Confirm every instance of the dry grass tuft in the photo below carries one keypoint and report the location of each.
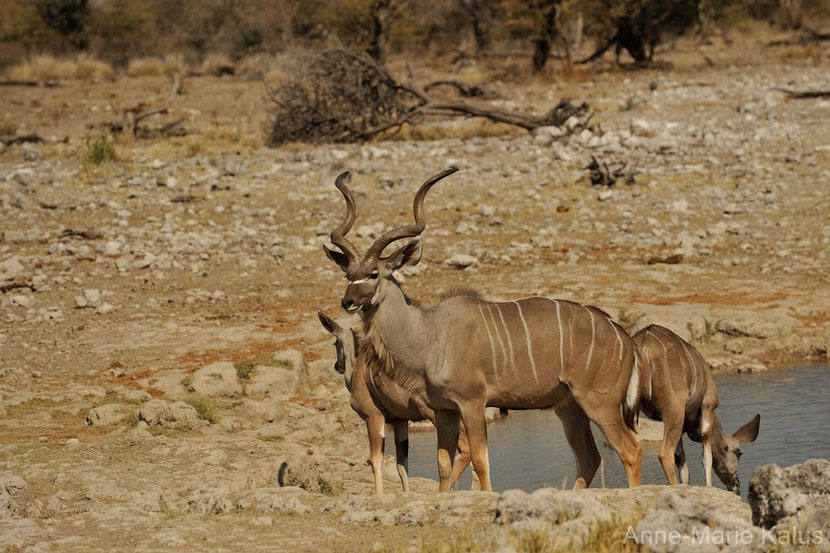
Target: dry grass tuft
(145, 67)
(41, 68)
(156, 67)
(175, 62)
(88, 68)
(82, 67)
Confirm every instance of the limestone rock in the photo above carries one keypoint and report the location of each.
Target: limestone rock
(461, 261)
(110, 413)
(679, 523)
(776, 493)
(158, 412)
(275, 382)
(275, 499)
(216, 379)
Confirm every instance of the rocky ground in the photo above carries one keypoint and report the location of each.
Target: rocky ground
(165, 382)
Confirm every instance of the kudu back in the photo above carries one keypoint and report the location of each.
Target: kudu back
(378, 400)
(467, 353)
(684, 396)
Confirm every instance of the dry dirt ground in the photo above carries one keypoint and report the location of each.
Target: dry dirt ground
(150, 276)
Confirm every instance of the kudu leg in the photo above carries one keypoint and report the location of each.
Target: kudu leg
(577, 428)
(446, 423)
(627, 447)
(707, 459)
(401, 429)
(462, 460)
(376, 429)
(672, 436)
(680, 462)
(476, 426)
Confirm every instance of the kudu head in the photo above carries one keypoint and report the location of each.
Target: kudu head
(726, 452)
(345, 344)
(368, 275)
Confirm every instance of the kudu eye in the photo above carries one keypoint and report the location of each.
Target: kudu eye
(374, 275)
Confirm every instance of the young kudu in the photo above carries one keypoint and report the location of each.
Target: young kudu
(532, 353)
(378, 400)
(684, 397)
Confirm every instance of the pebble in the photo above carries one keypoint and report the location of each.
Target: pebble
(21, 300)
(461, 261)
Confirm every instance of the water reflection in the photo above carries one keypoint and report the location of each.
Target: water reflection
(529, 450)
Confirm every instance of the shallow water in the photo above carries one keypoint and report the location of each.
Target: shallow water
(529, 451)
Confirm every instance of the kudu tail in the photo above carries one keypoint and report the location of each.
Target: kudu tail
(639, 389)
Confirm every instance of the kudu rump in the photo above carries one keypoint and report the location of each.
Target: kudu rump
(684, 397)
(466, 353)
(379, 400)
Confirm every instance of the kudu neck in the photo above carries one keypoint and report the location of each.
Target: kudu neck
(398, 324)
(716, 432)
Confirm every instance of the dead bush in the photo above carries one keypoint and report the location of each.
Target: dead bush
(340, 97)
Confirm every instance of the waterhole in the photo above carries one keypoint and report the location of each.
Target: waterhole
(528, 450)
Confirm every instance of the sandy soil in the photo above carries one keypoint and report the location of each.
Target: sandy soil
(204, 249)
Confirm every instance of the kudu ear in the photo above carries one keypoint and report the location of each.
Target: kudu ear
(338, 257)
(407, 255)
(329, 324)
(748, 432)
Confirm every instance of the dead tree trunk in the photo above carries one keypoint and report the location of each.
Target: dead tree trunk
(479, 15)
(379, 14)
(547, 34)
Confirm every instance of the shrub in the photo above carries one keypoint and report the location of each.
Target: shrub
(101, 150)
(204, 408)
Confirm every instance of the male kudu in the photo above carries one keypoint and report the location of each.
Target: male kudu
(378, 400)
(532, 353)
(684, 397)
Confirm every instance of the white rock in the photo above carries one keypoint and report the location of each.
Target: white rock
(21, 300)
(641, 127)
(679, 206)
(112, 248)
(605, 195)
(105, 414)
(542, 139)
(461, 261)
(216, 379)
(11, 268)
(92, 297)
(552, 131)
(158, 412)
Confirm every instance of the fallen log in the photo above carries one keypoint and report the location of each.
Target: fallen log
(804, 94)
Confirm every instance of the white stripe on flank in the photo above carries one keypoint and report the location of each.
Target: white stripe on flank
(593, 338)
(507, 335)
(691, 366)
(490, 336)
(619, 339)
(665, 351)
(633, 385)
(561, 341)
(527, 339)
(498, 334)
